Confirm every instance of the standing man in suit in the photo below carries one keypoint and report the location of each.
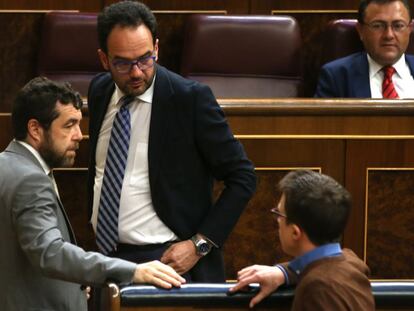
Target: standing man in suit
(179, 143)
(383, 70)
(312, 213)
(41, 267)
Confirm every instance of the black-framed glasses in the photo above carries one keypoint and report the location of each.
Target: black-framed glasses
(278, 213)
(381, 26)
(125, 66)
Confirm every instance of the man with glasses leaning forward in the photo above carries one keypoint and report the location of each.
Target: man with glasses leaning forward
(312, 213)
(158, 141)
(383, 71)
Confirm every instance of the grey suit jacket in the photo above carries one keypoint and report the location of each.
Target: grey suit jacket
(40, 269)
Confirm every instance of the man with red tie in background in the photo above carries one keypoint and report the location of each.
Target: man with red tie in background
(383, 70)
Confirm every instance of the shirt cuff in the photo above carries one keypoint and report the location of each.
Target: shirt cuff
(284, 273)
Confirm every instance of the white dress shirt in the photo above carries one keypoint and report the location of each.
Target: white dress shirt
(138, 223)
(402, 78)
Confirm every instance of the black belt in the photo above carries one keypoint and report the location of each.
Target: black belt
(123, 247)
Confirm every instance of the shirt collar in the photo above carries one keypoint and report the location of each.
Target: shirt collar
(146, 97)
(36, 154)
(328, 250)
(400, 66)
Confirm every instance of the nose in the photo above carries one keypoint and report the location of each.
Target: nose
(77, 136)
(389, 32)
(135, 71)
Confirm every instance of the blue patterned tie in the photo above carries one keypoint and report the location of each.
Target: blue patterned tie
(116, 159)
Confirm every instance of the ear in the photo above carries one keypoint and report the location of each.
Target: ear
(358, 27)
(297, 232)
(34, 131)
(104, 59)
(156, 49)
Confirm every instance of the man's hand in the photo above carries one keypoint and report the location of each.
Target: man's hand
(155, 272)
(269, 278)
(181, 256)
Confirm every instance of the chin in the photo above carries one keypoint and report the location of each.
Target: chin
(390, 58)
(67, 162)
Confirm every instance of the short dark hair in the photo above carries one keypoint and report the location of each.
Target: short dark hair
(364, 3)
(317, 204)
(124, 14)
(37, 100)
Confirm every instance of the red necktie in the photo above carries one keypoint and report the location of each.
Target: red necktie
(388, 88)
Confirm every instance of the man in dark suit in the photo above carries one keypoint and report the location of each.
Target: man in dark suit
(41, 267)
(383, 71)
(179, 143)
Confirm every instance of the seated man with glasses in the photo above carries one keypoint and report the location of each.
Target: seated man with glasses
(312, 213)
(384, 70)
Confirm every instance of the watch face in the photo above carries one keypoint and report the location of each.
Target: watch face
(204, 248)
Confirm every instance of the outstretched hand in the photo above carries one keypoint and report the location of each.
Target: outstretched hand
(269, 278)
(157, 273)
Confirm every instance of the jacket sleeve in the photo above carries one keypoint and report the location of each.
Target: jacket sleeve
(227, 160)
(35, 218)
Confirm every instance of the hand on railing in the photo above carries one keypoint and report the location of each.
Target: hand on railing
(157, 273)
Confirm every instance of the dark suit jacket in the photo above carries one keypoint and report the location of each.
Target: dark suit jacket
(348, 77)
(190, 145)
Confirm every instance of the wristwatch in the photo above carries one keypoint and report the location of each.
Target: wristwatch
(203, 247)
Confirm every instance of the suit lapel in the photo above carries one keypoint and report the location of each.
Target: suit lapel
(102, 101)
(65, 216)
(159, 120)
(360, 76)
(68, 225)
(409, 59)
(19, 149)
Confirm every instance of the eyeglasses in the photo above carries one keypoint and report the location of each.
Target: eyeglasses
(125, 66)
(276, 211)
(381, 26)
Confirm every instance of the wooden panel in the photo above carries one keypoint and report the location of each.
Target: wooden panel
(19, 42)
(309, 117)
(6, 131)
(81, 5)
(265, 6)
(390, 219)
(231, 6)
(360, 156)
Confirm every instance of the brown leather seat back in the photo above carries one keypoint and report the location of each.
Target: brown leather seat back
(244, 56)
(68, 49)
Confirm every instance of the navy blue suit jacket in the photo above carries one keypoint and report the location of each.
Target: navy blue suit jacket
(190, 146)
(348, 77)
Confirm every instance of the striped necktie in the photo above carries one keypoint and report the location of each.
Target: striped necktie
(116, 159)
(388, 88)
